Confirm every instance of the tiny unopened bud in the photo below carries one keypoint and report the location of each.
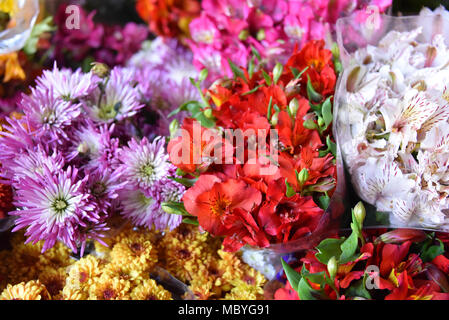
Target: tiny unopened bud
(208, 113)
(320, 122)
(293, 107)
(174, 127)
(261, 35)
(332, 267)
(83, 148)
(402, 235)
(303, 176)
(100, 69)
(360, 213)
(244, 34)
(310, 124)
(275, 119)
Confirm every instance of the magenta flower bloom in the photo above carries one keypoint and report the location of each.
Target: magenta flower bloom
(54, 208)
(228, 29)
(119, 99)
(48, 115)
(145, 164)
(67, 84)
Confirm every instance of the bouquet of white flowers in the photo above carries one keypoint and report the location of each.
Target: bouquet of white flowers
(392, 116)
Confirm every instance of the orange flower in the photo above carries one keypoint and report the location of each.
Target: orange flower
(168, 18)
(10, 67)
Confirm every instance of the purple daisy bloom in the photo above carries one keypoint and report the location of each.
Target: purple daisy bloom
(136, 206)
(67, 84)
(118, 100)
(32, 163)
(145, 164)
(50, 116)
(55, 207)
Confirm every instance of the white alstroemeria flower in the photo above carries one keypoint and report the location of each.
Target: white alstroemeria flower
(394, 120)
(380, 181)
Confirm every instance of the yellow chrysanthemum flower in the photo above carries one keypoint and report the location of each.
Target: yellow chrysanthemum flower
(54, 280)
(123, 272)
(70, 293)
(150, 290)
(32, 290)
(135, 253)
(83, 273)
(106, 288)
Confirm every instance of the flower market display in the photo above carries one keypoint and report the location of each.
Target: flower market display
(223, 150)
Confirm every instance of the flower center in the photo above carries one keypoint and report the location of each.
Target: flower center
(60, 205)
(147, 170)
(220, 205)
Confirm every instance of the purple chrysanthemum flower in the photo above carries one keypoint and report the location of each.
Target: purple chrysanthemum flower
(33, 162)
(136, 206)
(104, 187)
(118, 100)
(17, 138)
(67, 84)
(49, 115)
(85, 142)
(145, 164)
(55, 207)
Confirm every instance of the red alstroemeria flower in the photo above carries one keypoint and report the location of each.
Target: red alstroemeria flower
(294, 134)
(195, 148)
(214, 201)
(288, 218)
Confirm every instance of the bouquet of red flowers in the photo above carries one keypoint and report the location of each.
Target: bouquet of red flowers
(402, 264)
(258, 152)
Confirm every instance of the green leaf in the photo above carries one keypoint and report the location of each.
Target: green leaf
(305, 291)
(45, 25)
(290, 191)
(252, 91)
(299, 75)
(349, 248)
(236, 70)
(358, 290)
(267, 78)
(191, 221)
(332, 146)
(269, 110)
(175, 208)
(256, 53)
(180, 173)
(294, 71)
(327, 113)
(313, 95)
(324, 202)
(251, 67)
(317, 278)
(431, 252)
(292, 276)
(327, 249)
(185, 182)
(277, 72)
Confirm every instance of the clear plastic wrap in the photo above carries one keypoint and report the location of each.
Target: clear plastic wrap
(23, 19)
(390, 181)
(268, 260)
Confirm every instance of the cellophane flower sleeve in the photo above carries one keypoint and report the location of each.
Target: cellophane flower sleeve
(391, 116)
(23, 15)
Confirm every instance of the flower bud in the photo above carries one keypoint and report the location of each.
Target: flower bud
(261, 35)
(275, 119)
(174, 127)
(401, 236)
(293, 107)
(100, 69)
(244, 34)
(83, 148)
(208, 113)
(360, 213)
(303, 176)
(436, 275)
(320, 122)
(310, 124)
(332, 267)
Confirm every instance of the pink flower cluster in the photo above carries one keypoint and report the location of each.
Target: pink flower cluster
(228, 29)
